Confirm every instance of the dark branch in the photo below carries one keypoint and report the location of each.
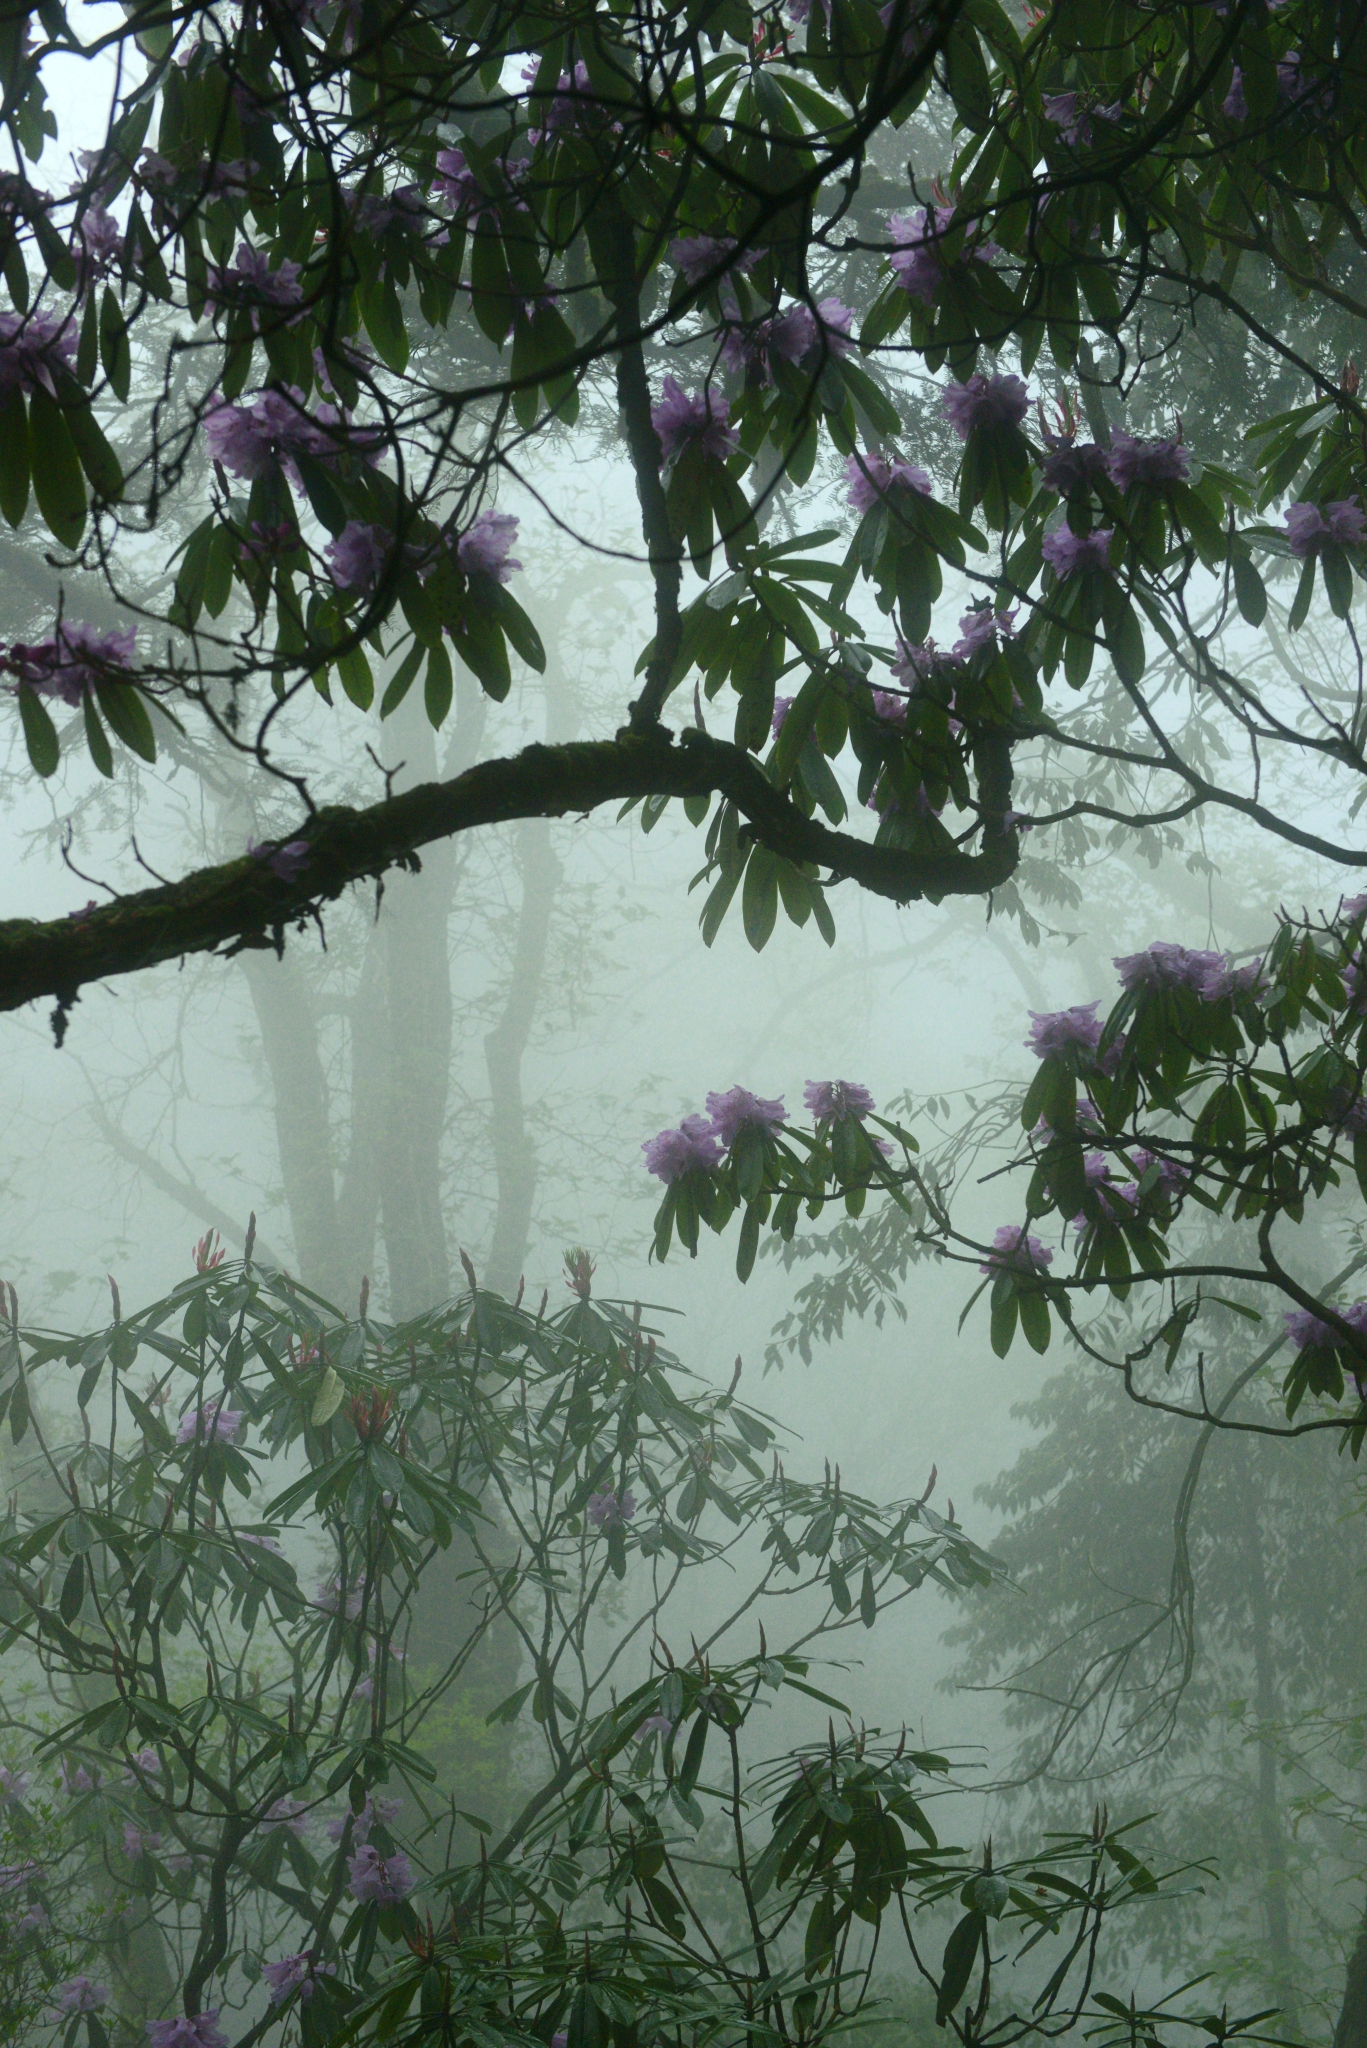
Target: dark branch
(245, 903)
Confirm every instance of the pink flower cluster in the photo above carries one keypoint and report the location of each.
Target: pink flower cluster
(873, 479)
(609, 1510)
(1309, 527)
(72, 660)
(702, 419)
(917, 260)
(1167, 966)
(1014, 1250)
(695, 1145)
(32, 347)
(985, 403)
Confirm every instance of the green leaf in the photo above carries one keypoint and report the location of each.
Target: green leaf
(868, 1600)
(58, 484)
(759, 902)
(114, 350)
(438, 685)
(96, 738)
(97, 458)
(329, 1398)
(73, 1589)
(1338, 579)
(13, 456)
(122, 705)
(692, 1763)
(357, 681)
(1124, 637)
(40, 734)
(401, 682)
(1249, 591)
(961, 1952)
(520, 630)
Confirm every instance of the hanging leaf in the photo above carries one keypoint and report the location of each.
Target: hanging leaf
(56, 470)
(13, 456)
(40, 734)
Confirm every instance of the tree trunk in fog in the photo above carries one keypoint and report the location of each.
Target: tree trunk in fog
(1351, 2031)
(504, 1047)
(1281, 1958)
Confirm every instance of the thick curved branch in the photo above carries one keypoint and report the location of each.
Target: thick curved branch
(246, 902)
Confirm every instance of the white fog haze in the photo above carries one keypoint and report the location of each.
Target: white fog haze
(682, 736)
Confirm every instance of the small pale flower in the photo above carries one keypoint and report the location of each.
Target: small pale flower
(80, 1994)
(379, 1880)
(828, 1100)
(609, 1510)
(738, 1110)
(1014, 1250)
(1071, 554)
(211, 1424)
(682, 419)
(985, 403)
(872, 479)
(485, 549)
(691, 1148)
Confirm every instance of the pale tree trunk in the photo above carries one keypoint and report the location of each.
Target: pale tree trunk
(1281, 1956)
(1351, 2031)
(504, 1050)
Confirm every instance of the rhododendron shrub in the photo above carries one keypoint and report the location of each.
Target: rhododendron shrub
(225, 1505)
(335, 350)
(1213, 1087)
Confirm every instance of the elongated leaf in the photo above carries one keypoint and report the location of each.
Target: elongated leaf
(40, 734)
(13, 456)
(58, 484)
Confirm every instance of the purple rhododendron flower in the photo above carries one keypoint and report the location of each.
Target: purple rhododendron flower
(484, 550)
(916, 260)
(1306, 1330)
(1133, 462)
(1234, 106)
(791, 336)
(295, 1973)
(380, 1812)
(827, 1100)
(981, 628)
(1308, 527)
(692, 1147)
(609, 1510)
(985, 402)
(782, 706)
(1071, 465)
(1171, 1176)
(101, 239)
(211, 1424)
(287, 1975)
(1164, 965)
(702, 417)
(696, 255)
(738, 1108)
(72, 660)
(186, 2031)
(77, 1781)
(374, 213)
(251, 281)
(1054, 1031)
(357, 556)
(136, 1844)
(1014, 1249)
(32, 346)
(379, 1880)
(572, 95)
(252, 440)
(888, 706)
(1073, 115)
(656, 1724)
(915, 664)
(1067, 552)
(81, 1994)
(872, 478)
(457, 184)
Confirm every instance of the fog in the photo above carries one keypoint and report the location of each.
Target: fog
(429, 1095)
